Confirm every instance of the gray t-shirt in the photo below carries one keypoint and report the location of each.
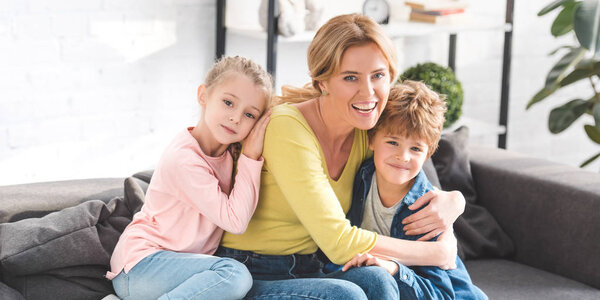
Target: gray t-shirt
(376, 217)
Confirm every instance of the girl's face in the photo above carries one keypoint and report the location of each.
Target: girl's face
(359, 92)
(231, 108)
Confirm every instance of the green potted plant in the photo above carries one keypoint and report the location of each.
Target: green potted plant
(580, 62)
(442, 80)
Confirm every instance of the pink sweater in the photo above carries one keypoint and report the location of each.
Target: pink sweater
(188, 204)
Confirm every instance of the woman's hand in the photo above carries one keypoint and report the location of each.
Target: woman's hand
(448, 250)
(443, 208)
(366, 259)
(253, 145)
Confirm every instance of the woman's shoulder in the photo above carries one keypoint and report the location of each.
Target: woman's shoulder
(287, 117)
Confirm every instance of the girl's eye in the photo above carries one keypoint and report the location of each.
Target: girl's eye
(350, 78)
(228, 103)
(251, 116)
(393, 143)
(379, 75)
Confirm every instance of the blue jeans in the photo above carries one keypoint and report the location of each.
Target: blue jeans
(173, 275)
(301, 277)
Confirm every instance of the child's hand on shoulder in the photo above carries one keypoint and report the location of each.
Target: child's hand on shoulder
(253, 144)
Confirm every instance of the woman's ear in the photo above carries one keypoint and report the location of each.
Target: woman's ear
(202, 95)
(323, 86)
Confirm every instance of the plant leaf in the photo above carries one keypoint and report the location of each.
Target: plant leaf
(596, 114)
(559, 70)
(593, 133)
(564, 20)
(563, 116)
(550, 7)
(591, 159)
(581, 73)
(587, 25)
(560, 48)
(541, 95)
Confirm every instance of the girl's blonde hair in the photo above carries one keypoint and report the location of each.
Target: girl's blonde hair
(413, 110)
(328, 46)
(229, 65)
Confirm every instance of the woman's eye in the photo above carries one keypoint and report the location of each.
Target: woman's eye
(228, 103)
(251, 116)
(350, 78)
(393, 143)
(379, 75)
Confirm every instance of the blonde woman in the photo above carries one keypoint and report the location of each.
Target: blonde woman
(314, 145)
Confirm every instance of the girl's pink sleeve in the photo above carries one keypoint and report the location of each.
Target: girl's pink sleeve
(198, 186)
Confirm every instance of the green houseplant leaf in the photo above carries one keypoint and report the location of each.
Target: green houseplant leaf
(591, 159)
(558, 72)
(581, 73)
(541, 95)
(596, 114)
(587, 25)
(564, 21)
(552, 6)
(563, 116)
(593, 133)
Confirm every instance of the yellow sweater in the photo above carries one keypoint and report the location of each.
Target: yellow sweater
(300, 208)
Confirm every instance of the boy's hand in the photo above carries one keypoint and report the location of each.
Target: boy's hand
(443, 208)
(253, 145)
(366, 259)
(449, 249)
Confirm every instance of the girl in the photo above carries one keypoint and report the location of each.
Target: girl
(166, 251)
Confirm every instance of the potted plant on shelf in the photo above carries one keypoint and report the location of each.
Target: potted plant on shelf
(581, 62)
(443, 81)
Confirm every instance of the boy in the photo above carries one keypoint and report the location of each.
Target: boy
(406, 134)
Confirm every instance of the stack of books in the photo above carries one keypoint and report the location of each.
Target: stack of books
(437, 11)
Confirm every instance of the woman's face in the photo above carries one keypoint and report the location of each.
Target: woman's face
(359, 92)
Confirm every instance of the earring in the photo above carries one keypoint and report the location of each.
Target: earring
(323, 93)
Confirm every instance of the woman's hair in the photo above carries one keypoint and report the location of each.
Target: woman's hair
(328, 46)
(413, 110)
(229, 65)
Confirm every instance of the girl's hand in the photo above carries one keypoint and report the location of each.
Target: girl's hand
(449, 248)
(253, 145)
(366, 259)
(438, 216)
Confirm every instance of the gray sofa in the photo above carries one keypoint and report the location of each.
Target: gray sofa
(551, 212)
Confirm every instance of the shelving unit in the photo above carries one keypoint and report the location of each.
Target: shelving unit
(394, 30)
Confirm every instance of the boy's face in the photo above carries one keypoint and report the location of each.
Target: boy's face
(398, 159)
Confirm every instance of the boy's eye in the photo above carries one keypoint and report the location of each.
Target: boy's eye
(350, 78)
(393, 143)
(417, 149)
(228, 103)
(251, 116)
(379, 75)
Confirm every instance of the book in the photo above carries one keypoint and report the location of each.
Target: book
(444, 20)
(440, 12)
(430, 5)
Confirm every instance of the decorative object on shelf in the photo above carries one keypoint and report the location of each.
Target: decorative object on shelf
(442, 80)
(437, 11)
(378, 10)
(581, 62)
(295, 16)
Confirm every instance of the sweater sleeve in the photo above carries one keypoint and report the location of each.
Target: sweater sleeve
(198, 186)
(293, 157)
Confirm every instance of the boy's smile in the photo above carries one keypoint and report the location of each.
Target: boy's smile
(398, 160)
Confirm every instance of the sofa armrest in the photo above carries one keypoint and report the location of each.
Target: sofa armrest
(551, 211)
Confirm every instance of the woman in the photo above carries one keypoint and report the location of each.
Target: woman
(312, 151)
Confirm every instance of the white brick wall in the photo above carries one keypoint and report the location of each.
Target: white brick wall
(98, 87)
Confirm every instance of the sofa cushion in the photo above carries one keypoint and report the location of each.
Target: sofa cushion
(36, 200)
(504, 279)
(478, 233)
(9, 293)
